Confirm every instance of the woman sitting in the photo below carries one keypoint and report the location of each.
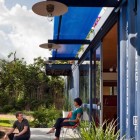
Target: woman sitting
(76, 114)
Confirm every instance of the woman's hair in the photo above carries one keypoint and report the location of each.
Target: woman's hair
(78, 101)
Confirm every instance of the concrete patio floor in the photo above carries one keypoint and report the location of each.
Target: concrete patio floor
(40, 134)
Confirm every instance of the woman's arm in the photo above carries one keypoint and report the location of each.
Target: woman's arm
(76, 120)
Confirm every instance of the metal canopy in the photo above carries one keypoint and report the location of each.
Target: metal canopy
(76, 24)
(63, 58)
(58, 69)
(90, 3)
(69, 41)
(72, 28)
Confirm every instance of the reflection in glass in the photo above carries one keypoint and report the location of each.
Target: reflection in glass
(84, 82)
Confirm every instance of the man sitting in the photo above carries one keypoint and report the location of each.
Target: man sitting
(23, 127)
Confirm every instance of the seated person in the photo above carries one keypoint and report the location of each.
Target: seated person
(22, 125)
(76, 114)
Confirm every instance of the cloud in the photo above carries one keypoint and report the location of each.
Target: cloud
(22, 31)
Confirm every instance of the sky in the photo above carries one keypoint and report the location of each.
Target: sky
(23, 31)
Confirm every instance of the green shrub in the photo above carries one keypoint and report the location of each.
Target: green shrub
(40, 118)
(7, 108)
(107, 131)
(19, 104)
(13, 111)
(28, 113)
(45, 117)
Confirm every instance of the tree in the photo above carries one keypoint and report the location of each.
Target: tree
(27, 86)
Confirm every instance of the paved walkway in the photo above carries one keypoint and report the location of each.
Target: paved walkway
(40, 134)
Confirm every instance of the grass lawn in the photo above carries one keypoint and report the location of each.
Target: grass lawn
(5, 125)
(6, 120)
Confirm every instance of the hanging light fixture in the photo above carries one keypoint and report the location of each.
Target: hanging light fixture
(49, 46)
(49, 8)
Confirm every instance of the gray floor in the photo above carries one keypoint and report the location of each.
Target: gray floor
(40, 134)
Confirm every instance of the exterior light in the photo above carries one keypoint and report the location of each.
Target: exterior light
(49, 46)
(49, 9)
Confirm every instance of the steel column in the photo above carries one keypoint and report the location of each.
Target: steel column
(127, 69)
(94, 82)
(130, 87)
(122, 68)
(138, 71)
(90, 86)
(101, 83)
(118, 77)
